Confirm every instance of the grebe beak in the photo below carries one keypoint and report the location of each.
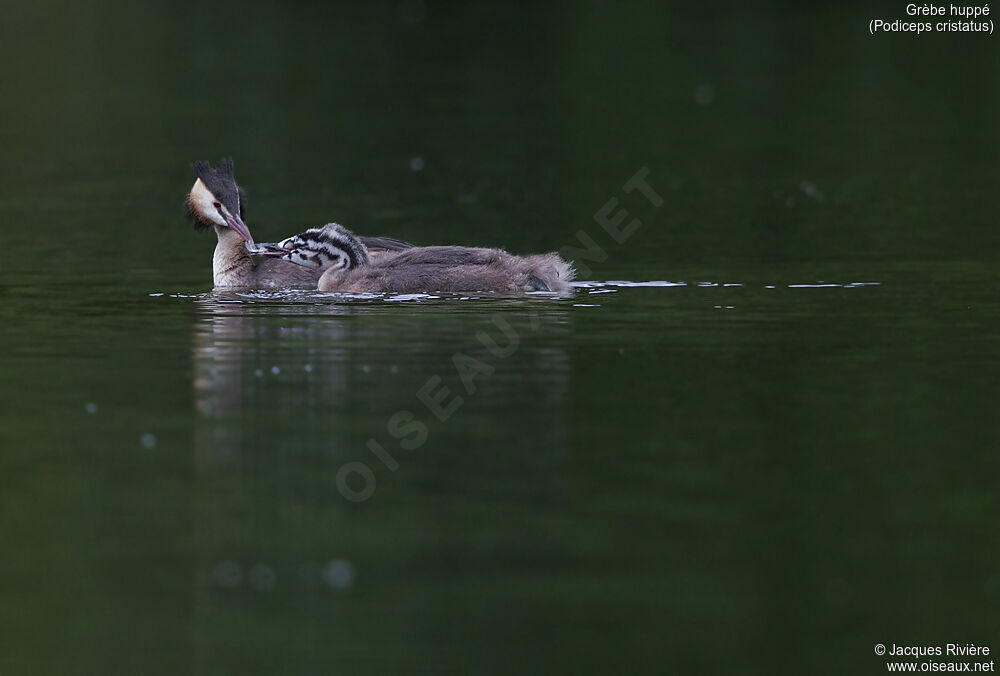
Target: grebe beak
(237, 224)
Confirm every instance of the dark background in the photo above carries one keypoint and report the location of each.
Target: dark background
(696, 479)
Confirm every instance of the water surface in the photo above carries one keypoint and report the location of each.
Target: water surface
(761, 440)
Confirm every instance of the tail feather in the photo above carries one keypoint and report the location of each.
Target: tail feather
(549, 272)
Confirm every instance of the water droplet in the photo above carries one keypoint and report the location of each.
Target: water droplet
(811, 191)
(259, 373)
(147, 440)
(275, 370)
(704, 94)
(339, 574)
(366, 368)
(90, 407)
(308, 368)
(416, 163)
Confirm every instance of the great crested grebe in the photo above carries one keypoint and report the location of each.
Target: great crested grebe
(217, 201)
(346, 266)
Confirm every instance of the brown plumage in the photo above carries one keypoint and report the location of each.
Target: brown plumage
(348, 268)
(332, 258)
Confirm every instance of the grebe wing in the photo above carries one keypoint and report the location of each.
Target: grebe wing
(380, 244)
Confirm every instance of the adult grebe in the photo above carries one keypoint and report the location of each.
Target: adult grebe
(217, 201)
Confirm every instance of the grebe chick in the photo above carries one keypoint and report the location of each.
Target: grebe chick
(217, 201)
(347, 267)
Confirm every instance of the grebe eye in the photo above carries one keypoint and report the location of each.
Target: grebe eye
(216, 205)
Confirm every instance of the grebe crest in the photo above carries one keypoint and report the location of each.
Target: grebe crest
(215, 199)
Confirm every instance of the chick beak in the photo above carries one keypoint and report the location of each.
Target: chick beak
(266, 249)
(237, 224)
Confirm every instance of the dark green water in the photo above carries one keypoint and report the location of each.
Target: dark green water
(660, 479)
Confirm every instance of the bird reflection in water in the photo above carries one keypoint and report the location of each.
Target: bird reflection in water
(289, 394)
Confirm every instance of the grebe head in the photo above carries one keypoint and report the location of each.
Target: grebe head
(216, 200)
(332, 246)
